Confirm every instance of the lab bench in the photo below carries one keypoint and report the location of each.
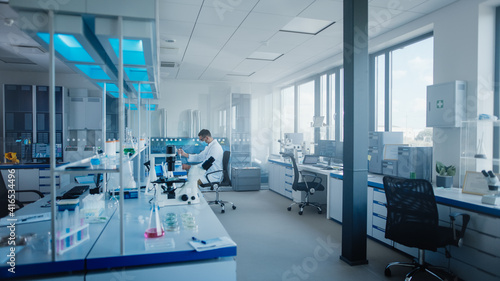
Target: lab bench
(100, 256)
(477, 259)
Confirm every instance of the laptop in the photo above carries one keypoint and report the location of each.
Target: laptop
(310, 159)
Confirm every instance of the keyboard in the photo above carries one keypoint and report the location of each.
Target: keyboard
(75, 192)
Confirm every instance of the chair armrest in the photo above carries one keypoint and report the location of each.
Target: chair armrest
(458, 235)
(32, 190)
(19, 204)
(314, 178)
(206, 175)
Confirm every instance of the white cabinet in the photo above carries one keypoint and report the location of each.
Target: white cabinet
(446, 104)
(379, 215)
(479, 256)
(281, 179)
(369, 211)
(287, 187)
(85, 113)
(335, 201)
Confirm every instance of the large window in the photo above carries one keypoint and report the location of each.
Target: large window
(380, 92)
(306, 112)
(410, 70)
(287, 110)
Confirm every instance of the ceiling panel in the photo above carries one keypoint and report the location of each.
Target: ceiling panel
(283, 42)
(324, 10)
(213, 74)
(204, 46)
(226, 61)
(211, 15)
(282, 7)
(253, 34)
(394, 6)
(241, 48)
(175, 28)
(228, 6)
(201, 61)
(190, 71)
(317, 44)
(213, 31)
(168, 72)
(336, 30)
(266, 21)
(189, 2)
(173, 51)
(401, 19)
(431, 5)
(178, 12)
(249, 66)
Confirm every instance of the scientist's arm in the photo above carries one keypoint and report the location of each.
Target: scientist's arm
(202, 156)
(181, 152)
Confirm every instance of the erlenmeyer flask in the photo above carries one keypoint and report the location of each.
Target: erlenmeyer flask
(155, 227)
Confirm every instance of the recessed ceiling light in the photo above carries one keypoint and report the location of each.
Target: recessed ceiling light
(264, 56)
(170, 40)
(306, 25)
(240, 74)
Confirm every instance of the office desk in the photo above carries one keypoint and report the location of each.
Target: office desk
(99, 257)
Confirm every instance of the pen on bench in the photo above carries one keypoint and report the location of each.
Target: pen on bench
(198, 240)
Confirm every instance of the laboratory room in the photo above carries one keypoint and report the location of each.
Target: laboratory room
(250, 140)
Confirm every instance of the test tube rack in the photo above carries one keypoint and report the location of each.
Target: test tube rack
(72, 238)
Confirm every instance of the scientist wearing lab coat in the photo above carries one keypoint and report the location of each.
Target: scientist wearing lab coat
(214, 150)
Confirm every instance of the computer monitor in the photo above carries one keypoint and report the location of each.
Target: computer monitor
(41, 152)
(326, 148)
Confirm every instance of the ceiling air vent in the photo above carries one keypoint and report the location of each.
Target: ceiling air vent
(168, 64)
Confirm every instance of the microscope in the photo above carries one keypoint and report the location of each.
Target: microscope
(171, 194)
(493, 198)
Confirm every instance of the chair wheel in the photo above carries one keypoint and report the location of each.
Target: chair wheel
(289, 208)
(222, 211)
(387, 272)
(234, 207)
(320, 212)
(300, 213)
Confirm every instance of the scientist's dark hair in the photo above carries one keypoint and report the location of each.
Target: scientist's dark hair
(204, 133)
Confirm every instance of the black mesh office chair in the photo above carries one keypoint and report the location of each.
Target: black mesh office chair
(4, 199)
(308, 186)
(225, 182)
(413, 221)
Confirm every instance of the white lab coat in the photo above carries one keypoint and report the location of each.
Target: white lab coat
(214, 150)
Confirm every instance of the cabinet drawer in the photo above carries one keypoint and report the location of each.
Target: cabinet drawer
(379, 195)
(379, 221)
(469, 272)
(379, 209)
(481, 223)
(379, 234)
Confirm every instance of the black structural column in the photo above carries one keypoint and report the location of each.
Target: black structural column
(356, 110)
